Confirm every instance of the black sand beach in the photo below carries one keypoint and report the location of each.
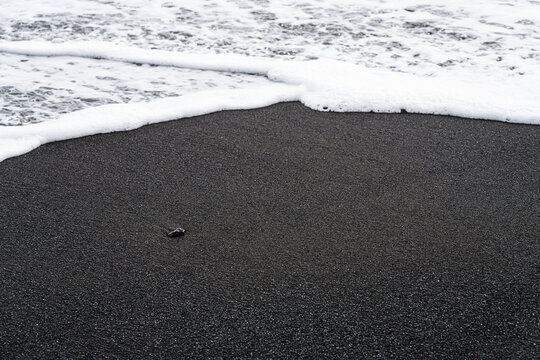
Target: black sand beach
(308, 234)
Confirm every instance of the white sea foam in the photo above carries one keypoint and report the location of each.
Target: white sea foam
(17, 140)
(477, 58)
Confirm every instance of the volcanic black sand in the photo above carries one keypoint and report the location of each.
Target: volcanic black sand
(308, 234)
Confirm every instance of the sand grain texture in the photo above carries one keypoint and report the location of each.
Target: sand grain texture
(307, 234)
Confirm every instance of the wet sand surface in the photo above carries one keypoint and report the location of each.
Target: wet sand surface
(308, 234)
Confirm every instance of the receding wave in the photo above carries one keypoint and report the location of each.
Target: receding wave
(325, 85)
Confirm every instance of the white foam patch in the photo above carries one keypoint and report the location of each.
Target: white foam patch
(103, 50)
(17, 140)
(320, 84)
(339, 86)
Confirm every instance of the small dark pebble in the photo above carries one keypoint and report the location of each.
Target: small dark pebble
(403, 111)
(177, 232)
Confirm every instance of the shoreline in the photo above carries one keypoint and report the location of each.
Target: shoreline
(307, 233)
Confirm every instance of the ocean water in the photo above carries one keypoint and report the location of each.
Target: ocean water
(72, 68)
